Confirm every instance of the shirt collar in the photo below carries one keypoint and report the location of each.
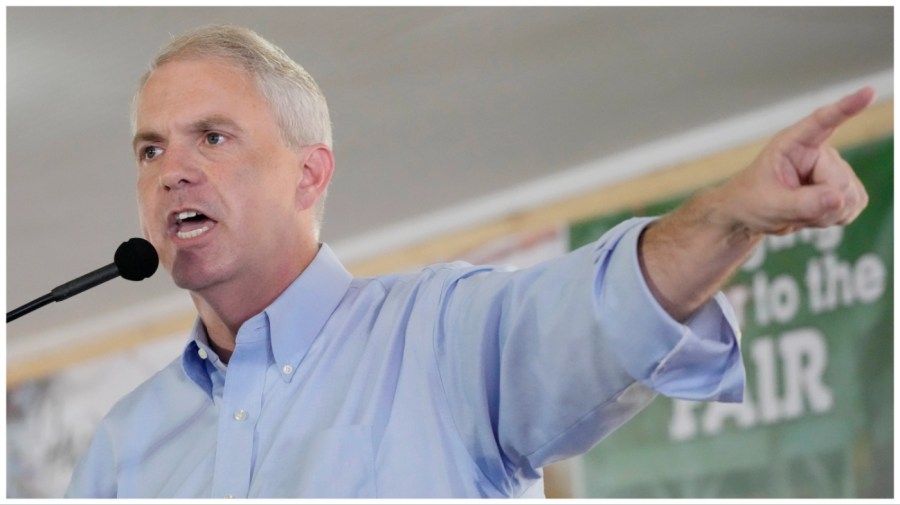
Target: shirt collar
(194, 356)
(295, 318)
(299, 314)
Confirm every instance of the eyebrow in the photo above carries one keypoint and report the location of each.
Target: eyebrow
(145, 136)
(213, 122)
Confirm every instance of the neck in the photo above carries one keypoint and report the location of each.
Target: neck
(225, 307)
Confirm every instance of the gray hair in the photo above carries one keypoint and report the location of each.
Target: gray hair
(298, 103)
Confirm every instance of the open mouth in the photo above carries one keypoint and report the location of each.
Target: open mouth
(191, 224)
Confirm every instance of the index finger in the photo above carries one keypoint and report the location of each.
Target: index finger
(814, 130)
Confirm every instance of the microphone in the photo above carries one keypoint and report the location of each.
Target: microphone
(135, 260)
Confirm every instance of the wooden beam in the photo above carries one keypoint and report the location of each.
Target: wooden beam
(874, 123)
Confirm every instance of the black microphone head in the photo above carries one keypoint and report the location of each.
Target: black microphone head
(136, 259)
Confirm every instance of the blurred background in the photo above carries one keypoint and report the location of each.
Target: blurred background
(490, 134)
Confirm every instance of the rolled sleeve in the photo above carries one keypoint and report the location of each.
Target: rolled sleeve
(697, 360)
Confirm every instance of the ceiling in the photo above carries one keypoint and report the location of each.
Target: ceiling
(432, 107)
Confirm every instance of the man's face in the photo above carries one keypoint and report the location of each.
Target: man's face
(216, 184)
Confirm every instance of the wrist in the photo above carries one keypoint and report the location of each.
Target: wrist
(722, 218)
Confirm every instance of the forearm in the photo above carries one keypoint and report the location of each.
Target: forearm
(797, 181)
(688, 255)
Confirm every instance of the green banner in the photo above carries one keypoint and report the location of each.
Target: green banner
(816, 311)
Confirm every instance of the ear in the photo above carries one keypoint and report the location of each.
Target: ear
(317, 165)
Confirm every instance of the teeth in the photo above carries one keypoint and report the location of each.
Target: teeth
(185, 215)
(192, 233)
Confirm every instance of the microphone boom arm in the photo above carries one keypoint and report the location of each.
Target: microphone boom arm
(135, 259)
(28, 307)
(63, 291)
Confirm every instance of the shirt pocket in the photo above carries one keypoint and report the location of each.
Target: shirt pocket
(336, 463)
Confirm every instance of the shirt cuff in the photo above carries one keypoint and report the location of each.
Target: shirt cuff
(697, 360)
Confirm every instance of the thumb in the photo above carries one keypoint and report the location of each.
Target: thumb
(811, 205)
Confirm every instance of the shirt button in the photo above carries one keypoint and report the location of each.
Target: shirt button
(240, 415)
(287, 369)
(202, 354)
(228, 496)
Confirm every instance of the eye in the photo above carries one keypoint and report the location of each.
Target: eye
(214, 138)
(150, 152)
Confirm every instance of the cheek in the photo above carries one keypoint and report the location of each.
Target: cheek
(143, 203)
(146, 204)
(263, 180)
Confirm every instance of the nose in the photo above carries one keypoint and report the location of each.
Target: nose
(179, 169)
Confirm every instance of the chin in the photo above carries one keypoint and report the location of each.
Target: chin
(194, 277)
(188, 282)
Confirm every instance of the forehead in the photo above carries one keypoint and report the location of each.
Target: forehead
(191, 85)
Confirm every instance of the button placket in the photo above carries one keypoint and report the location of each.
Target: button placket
(241, 404)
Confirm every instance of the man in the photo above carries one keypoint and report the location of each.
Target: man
(459, 381)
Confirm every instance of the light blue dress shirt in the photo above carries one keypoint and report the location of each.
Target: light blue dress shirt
(459, 381)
